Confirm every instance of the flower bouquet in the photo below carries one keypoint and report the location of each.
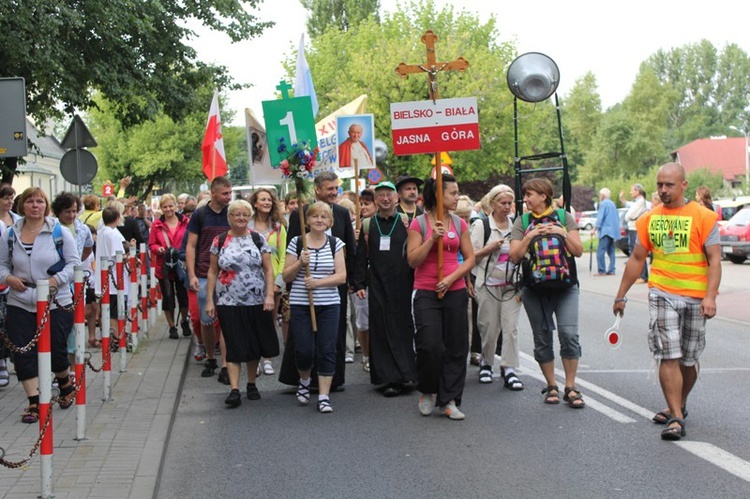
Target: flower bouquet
(299, 162)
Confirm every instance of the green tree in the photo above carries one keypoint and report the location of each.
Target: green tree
(136, 54)
(710, 89)
(159, 152)
(582, 114)
(345, 64)
(338, 14)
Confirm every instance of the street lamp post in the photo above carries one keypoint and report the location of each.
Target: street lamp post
(744, 132)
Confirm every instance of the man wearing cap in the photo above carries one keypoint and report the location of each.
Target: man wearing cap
(382, 274)
(408, 192)
(326, 190)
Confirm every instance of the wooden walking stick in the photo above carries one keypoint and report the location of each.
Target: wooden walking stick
(303, 238)
(357, 222)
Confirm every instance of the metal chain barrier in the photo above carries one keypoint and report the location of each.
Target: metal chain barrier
(76, 300)
(22, 463)
(34, 340)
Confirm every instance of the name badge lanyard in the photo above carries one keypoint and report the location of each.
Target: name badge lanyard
(385, 241)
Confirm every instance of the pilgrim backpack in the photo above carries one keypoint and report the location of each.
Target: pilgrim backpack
(57, 237)
(257, 239)
(548, 265)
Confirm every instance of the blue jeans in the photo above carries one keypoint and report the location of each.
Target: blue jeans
(632, 236)
(606, 247)
(539, 308)
(306, 342)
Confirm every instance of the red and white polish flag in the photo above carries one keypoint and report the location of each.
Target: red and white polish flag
(214, 158)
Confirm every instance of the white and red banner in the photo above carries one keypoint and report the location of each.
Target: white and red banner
(214, 158)
(424, 127)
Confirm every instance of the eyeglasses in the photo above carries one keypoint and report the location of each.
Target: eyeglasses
(240, 215)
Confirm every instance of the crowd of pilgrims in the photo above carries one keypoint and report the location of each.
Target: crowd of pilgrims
(240, 279)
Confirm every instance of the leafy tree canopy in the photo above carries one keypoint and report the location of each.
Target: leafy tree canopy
(338, 14)
(345, 64)
(135, 54)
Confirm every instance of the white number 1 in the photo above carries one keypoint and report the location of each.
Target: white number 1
(289, 122)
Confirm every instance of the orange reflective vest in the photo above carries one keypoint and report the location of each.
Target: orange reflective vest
(676, 237)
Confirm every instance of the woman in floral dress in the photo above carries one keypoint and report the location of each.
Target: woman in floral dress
(240, 280)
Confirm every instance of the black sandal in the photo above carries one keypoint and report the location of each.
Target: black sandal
(674, 432)
(30, 415)
(573, 400)
(662, 417)
(512, 382)
(67, 395)
(552, 395)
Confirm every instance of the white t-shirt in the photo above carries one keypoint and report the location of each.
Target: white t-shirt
(108, 241)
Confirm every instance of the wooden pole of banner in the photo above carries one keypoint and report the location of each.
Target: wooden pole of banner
(303, 237)
(357, 222)
(432, 68)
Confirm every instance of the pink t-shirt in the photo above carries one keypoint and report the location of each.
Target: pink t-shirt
(425, 276)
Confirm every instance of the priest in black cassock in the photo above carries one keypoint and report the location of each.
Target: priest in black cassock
(382, 273)
(326, 190)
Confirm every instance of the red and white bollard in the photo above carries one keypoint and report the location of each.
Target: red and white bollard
(120, 272)
(45, 385)
(79, 327)
(144, 292)
(152, 294)
(158, 301)
(106, 351)
(133, 298)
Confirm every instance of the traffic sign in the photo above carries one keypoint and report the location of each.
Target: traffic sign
(429, 127)
(291, 119)
(13, 118)
(443, 168)
(78, 166)
(78, 135)
(444, 159)
(374, 176)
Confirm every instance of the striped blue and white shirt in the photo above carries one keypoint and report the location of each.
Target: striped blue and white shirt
(321, 266)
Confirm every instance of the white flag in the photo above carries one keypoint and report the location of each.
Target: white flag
(303, 84)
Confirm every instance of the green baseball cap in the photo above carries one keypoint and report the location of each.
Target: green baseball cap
(385, 185)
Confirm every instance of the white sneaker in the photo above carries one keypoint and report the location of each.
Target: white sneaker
(452, 412)
(426, 403)
(349, 359)
(268, 368)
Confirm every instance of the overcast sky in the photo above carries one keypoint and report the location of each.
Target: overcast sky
(610, 39)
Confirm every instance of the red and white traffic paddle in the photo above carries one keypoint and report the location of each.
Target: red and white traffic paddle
(612, 336)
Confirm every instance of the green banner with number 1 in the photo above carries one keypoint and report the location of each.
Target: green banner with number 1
(291, 119)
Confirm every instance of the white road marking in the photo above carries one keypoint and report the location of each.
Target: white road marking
(704, 450)
(718, 457)
(533, 371)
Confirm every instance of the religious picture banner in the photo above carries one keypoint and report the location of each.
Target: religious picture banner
(261, 171)
(327, 139)
(424, 127)
(356, 141)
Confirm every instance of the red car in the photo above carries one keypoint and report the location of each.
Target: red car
(735, 237)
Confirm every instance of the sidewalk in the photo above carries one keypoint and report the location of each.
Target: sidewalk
(125, 437)
(734, 293)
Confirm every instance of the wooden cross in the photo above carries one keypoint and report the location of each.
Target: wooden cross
(432, 68)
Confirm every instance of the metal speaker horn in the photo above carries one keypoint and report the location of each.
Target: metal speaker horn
(533, 77)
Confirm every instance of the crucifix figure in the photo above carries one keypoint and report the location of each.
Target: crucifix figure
(432, 68)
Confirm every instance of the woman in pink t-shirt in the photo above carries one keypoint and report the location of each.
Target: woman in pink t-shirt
(440, 305)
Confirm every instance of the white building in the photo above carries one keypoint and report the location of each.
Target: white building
(42, 165)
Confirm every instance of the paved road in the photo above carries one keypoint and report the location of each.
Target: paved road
(510, 445)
